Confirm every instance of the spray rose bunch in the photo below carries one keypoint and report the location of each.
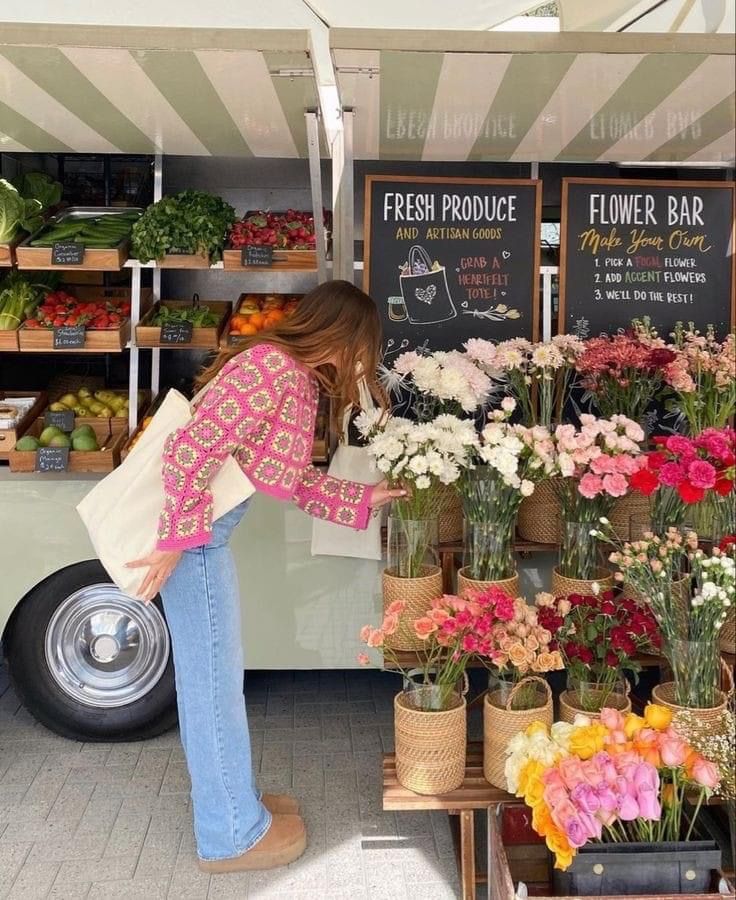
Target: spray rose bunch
(703, 377)
(538, 375)
(620, 778)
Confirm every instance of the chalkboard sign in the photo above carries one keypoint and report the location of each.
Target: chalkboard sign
(177, 332)
(662, 249)
(64, 419)
(67, 253)
(52, 459)
(448, 259)
(255, 255)
(69, 337)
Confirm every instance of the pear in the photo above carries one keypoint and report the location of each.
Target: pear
(81, 411)
(69, 400)
(105, 413)
(58, 407)
(84, 392)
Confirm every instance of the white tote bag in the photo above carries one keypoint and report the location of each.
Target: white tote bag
(121, 512)
(350, 464)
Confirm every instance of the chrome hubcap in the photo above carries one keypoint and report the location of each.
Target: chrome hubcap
(105, 649)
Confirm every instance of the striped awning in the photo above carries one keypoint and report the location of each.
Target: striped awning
(199, 92)
(538, 97)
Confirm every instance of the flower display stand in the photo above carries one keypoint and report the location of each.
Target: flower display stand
(473, 794)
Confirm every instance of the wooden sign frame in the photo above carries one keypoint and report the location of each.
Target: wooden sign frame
(438, 179)
(644, 183)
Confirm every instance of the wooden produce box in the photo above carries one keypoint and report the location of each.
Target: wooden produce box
(505, 874)
(148, 335)
(9, 340)
(111, 435)
(7, 252)
(92, 420)
(184, 261)
(103, 340)
(9, 436)
(283, 260)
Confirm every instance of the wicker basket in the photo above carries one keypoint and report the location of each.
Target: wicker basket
(680, 592)
(563, 587)
(710, 718)
(570, 704)
(447, 508)
(466, 585)
(624, 509)
(417, 593)
(728, 632)
(501, 724)
(430, 746)
(540, 516)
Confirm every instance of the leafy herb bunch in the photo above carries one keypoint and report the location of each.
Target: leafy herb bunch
(189, 222)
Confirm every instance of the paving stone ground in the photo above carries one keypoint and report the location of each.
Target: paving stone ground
(95, 821)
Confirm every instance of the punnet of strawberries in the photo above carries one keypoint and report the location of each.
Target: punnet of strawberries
(60, 308)
(291, 230)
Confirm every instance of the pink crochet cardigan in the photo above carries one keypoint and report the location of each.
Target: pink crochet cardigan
(262, 409)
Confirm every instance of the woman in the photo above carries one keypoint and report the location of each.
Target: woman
(260, 407)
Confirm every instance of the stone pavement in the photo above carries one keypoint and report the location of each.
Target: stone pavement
(113, 821)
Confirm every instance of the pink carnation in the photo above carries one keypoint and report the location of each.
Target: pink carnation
(603, 465)
(680, 445)
(627, 465)
(615, 485)
(590, 485)
(671, 474)
(701, 474)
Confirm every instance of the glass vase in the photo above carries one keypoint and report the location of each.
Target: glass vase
(591, 695)
(422, 691)
(413, 545)
(508, 692)
(490, 509)
(713, 518)
(696, 668)
(579, 551)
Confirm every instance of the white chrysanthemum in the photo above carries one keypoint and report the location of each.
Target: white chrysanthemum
(423, 482)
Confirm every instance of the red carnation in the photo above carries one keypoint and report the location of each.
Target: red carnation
(727, 542)
(576, 599)
(644, 481)
(608, 608)
(656, 459)
(585, 655)
(611, 659)
(689, 493)
(723, 487)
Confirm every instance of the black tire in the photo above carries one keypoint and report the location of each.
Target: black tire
(150, 714)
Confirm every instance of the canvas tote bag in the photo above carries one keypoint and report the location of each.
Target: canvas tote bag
(350, 464)
(425, 291)
(121, 512)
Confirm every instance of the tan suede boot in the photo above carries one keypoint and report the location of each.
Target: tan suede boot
(281, 804)
(284, 842)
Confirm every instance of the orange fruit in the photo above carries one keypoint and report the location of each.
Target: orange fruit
(275, 315)
(247, 329)
(257, 319)
(237, 320)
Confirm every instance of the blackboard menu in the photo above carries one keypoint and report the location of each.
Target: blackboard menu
(662, 249)
(448, 259)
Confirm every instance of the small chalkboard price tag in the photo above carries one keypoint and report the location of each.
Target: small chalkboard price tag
(67, 253)
(64, 419)
(177, 333)
(69, 337)
(52, 459)
(254, 255)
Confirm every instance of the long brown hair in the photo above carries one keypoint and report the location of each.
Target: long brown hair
(336, 319)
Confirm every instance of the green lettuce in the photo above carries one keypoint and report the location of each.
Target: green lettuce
(16, 213)
(39, 186)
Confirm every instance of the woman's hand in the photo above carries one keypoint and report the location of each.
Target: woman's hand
(383, 494)
(161, 563)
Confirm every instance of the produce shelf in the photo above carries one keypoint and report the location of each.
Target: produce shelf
(149, 335)
(291, 260)
(7, 252)
(103, 340)
(95, 260)
(111, 435)
(9, 341)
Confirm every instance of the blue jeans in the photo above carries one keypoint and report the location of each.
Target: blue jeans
(202, 604)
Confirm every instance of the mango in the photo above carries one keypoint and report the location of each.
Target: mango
(50, 432)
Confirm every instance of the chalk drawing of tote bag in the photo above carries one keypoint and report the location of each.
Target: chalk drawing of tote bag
(426, 296)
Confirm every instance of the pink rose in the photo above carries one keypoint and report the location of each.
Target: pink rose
(649, 806)
(571, 771)
(364, 659)
(615, 485)
(396, 608)
(706, 774)
(375, 638)
(390, 624)
(701, 474)
(592, 825)
(424, 627)
(576, 832)
(612, 719)
(673, 751)
(585, 798)
(645, 777)
(365, 633)
(590, 485)
(607, 798)
(554, 794)
(604, 764)
(628, 808)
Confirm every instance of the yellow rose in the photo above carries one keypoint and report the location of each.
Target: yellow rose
(530, 772)
(560, 846)
(657, 717)
(588, 740)
(542, 819)
(536, 727)
(534, 792)
(633, 724)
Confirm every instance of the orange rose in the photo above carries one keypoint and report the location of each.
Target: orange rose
(541, 819)
(518, 655)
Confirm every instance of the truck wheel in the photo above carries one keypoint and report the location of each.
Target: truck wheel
(89, 662)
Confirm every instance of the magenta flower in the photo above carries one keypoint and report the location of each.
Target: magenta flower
(672, 474)
(680, 445)
(701, 474)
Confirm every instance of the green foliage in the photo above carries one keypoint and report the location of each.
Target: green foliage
(16, 213)
(189, 222)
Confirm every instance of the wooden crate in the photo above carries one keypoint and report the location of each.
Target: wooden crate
(111, 435)
(91, 420)
(95, 260)
(147, 335)
(104, 340)
(184, 261)
(283, 260)
(9, 340)
(9, 436)
(7, 252)
(503, 885)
